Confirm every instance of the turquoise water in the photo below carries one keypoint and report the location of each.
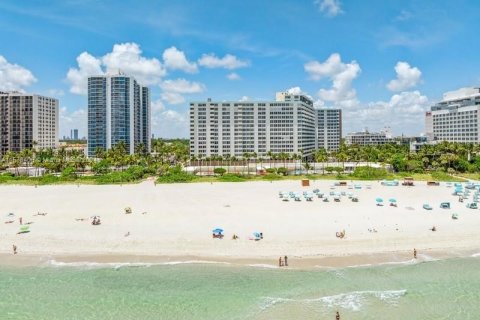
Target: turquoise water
(447, 289)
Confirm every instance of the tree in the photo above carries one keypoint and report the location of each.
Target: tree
(219, 171)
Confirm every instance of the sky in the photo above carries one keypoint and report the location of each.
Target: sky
(383, 62)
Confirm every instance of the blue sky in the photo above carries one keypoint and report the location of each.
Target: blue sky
(383, 62)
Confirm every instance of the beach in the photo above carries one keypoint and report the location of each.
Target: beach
(173, 223)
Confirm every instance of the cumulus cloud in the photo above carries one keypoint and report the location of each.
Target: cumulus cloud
(175, 59)
(244, 98)
(407, 77)
(125, 57)
(404, 113)
(227, 62)
(173, 90)
(168, 123)
(330, 8)
(13, 76)
(341, 74)
(233, 76)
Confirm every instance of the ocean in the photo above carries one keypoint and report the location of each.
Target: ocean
(443, 289)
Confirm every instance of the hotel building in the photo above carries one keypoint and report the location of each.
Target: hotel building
(366, 138)
(27, 121)
(118, 110)
(329, 128)
(286, 125)
(455, 118)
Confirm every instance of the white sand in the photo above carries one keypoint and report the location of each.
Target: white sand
(180, 218)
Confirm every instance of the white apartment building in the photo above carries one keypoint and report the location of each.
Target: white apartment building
(329, 128)
(456, 117)
(365, 138)
(27, 121)
(286, 125)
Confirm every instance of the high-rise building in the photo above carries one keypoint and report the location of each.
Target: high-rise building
(27, 121)
(74, 134)
(286, 125)
(329, 128)
(118, 110)
(456, 117)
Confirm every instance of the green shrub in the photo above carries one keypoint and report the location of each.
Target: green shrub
(175, 175)
(272, 176)
(230, 177)
(283, 171)
(68, 174)
(47, 179)
(369, 173)
(101, 167)
(271, 170)
(219, 171)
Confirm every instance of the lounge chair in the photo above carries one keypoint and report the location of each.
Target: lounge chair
(426, 206)
(455, 216)
(445, 205)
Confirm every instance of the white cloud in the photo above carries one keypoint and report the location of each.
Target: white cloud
(233, 76)
(173, 90)
(88, 65)
(295, 91)
(407, 77)
(76, 119)
(13, 76)
(55, 93)
(168, 123)
(330, 8)
(244, 98)
(172, 97)
(175, 59)
(182, 86)
(125, 57)
(404, 15)
(404, 113)
(228, 62)
(341, 74)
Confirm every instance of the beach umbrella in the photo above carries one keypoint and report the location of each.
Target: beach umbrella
(217, 230)
(256, 234)
(392, 200)
(379, 200)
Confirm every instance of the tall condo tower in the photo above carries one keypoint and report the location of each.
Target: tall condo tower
(118, 110)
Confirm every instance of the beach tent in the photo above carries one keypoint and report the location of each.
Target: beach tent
(445, 205)
(426, 206)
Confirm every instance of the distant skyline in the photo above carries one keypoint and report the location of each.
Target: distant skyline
(384, 63)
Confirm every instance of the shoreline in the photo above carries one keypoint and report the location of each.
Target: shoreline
(295, 262)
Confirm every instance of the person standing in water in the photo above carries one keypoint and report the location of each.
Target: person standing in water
(414, 253)
(286, 261)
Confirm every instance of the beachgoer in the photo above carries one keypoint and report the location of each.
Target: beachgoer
(414, 253)
(14, 249)
(261, 235)
(434, 228)
(127, 234)
(280, 262)
(286, 261)
(337, 316)
(21, 220)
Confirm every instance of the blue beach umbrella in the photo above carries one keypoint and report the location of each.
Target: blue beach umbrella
(392, 200)
(218, 230)
(379, 200)
(256, 234)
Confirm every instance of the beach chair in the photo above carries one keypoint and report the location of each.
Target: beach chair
(336, 199)
(455, 216)
(354, 199)
(426, 206)
(445, 205)
(472, 205)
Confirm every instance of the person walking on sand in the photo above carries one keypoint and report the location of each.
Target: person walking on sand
(280, 262)
(414, 253)
(285, 259)
(337, 316)
(20, 220)
(14, 249)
